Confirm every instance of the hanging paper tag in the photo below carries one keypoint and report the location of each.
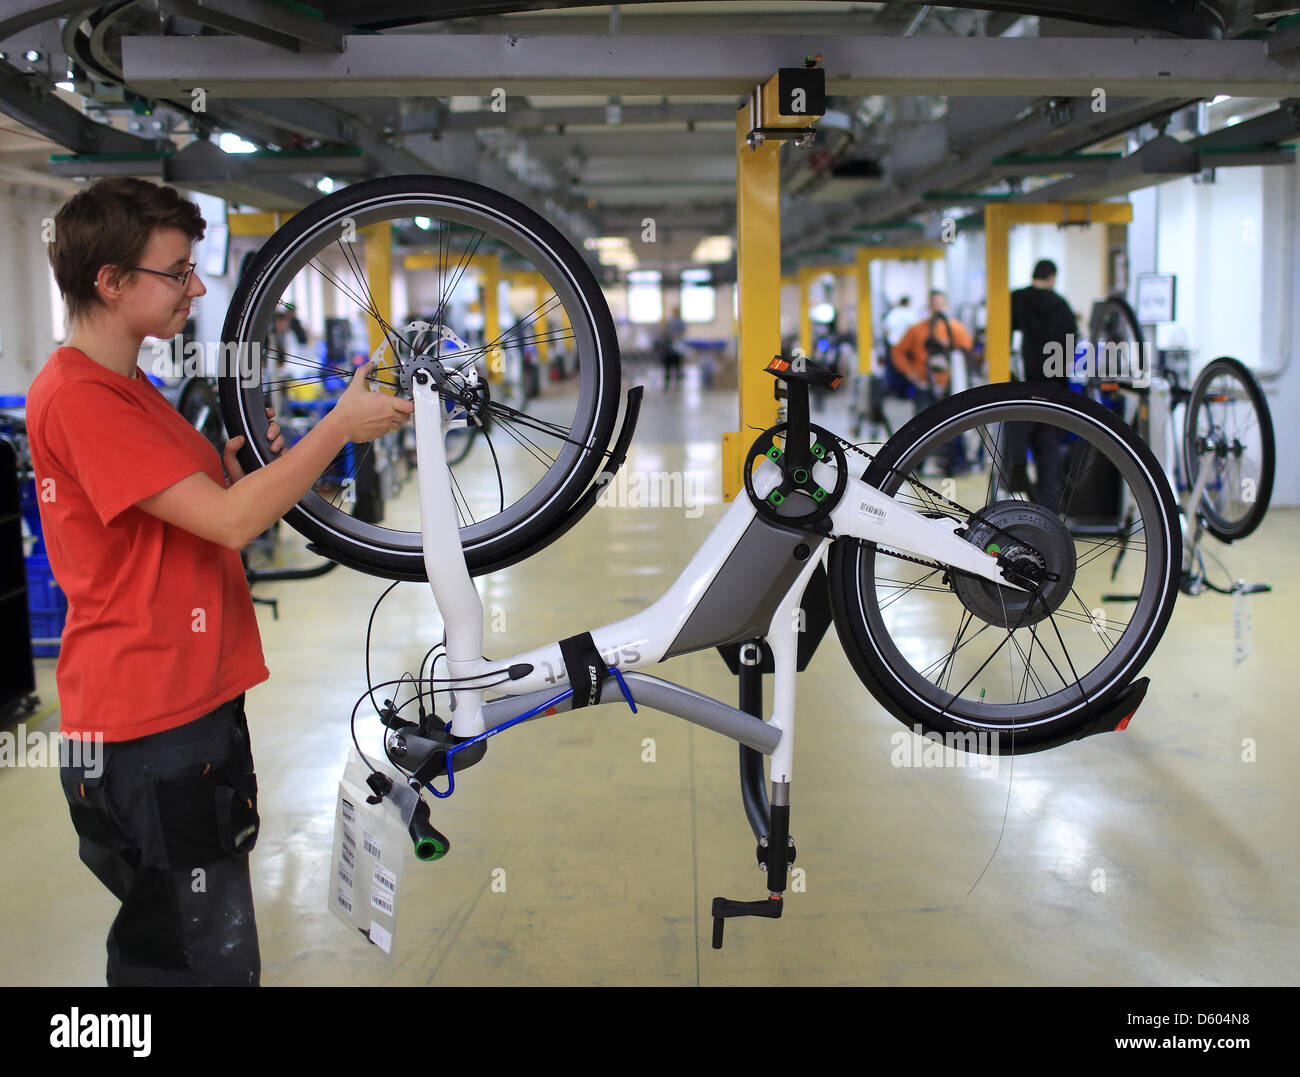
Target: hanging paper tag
(370, 846)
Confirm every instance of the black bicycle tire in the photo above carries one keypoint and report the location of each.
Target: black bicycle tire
(200, 388)
(1214, 523)
(843, 567)
(1118, 304)
(388, 560)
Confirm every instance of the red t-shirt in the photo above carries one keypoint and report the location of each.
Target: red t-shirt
(160, 626)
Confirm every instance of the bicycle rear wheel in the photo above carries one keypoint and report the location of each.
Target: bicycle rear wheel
(955, 655)
(1228, 416)
(452, 237)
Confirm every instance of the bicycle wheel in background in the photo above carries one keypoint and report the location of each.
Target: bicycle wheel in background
(1228, 415)
(1113, 323)
(956, 654)
(199, 404)
(543, 457)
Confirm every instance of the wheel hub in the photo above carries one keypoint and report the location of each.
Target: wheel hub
(1030, 542)
(425, 346)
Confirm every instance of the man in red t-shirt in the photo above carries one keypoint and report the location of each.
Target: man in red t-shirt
(161, 641)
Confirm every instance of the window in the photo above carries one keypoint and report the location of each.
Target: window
(645, 297)
(698, 298)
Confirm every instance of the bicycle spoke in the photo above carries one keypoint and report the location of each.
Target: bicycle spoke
(900, 592)
(1027, 659)
(533, 450)
(945, 674)
(371, 306)
(463, 498)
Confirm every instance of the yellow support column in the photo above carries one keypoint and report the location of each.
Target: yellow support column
(866, 320)
(540, 325)
(998, 219)
(997, 294)
(489, 281)
(758, 277)
(255, 224)
(379, 279)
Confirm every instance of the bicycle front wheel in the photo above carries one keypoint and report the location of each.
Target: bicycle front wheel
(466, 251)
(1229, 430)
(1025, 670)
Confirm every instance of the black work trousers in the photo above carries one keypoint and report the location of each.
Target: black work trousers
(166, 822)
(1044, 441)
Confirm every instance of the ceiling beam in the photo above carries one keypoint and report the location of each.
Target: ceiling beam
(390, 65)
(33, 101)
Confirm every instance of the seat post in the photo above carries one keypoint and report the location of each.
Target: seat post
(798, 426)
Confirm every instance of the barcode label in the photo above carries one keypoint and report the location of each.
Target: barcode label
(385, 878)
(381, 901)
(345, 902)
(372, 845)
(345, 877)
(348, 840)
(349, 810)
(348, 856)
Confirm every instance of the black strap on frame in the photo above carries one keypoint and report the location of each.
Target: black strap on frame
(586, 669)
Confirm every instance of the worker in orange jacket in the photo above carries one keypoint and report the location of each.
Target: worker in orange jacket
(922, 355)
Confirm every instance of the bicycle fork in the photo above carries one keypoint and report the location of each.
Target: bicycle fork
(453, 589)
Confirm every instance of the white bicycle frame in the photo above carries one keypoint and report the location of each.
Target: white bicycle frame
(713, 601)
(1163, 438)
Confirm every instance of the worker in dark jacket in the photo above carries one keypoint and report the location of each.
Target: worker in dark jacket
(1044, 319)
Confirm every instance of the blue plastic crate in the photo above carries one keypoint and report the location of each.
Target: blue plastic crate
(46, 606)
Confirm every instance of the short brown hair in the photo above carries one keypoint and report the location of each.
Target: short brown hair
(111, 223)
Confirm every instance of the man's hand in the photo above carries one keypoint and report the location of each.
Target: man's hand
(236, 443)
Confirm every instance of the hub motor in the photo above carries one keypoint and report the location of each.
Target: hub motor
(1031, 542)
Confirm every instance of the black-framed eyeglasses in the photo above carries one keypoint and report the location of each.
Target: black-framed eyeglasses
(183, 278)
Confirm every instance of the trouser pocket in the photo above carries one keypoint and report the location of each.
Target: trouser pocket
(237, 820)
(208, 808)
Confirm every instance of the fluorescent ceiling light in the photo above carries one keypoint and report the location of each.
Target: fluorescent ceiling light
(232, 143)
(714, 249)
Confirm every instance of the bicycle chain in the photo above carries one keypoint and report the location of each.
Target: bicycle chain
(970, 516)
